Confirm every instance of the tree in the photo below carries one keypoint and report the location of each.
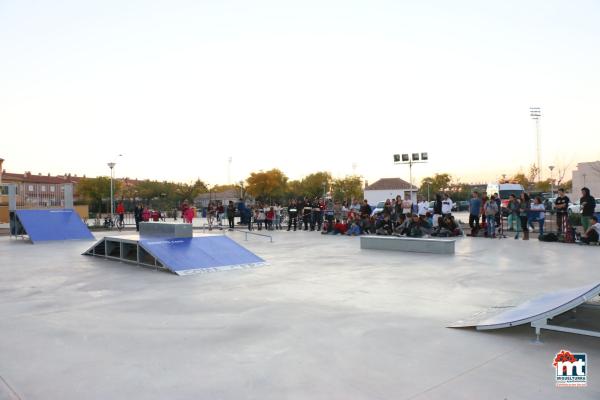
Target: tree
(348, 188)
(520, 178)
(544, 186)
(294, 190)
(435, 184)
(96, 189)
(316, 184)
(267, 185)
(534, 173)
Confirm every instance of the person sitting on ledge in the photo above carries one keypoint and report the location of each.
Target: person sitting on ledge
(447, 226)
(593, 232)
(339, 228)
(353, 226)
(384, 225)
(417, 227)
(402, 225)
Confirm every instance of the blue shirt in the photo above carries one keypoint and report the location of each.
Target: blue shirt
(475, 206)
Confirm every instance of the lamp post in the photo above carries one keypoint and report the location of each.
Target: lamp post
(410, 159)
(584, 175)
(551, 167)
(536, 113)
(111, 165)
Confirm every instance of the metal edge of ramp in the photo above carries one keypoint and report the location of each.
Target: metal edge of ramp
(203, 270)
(492, 318)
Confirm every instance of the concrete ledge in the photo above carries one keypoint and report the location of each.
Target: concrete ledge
(165, 229)
(418, 245)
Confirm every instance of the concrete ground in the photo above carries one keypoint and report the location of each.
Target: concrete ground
(325, 320)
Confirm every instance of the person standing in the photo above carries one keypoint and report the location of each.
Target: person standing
(491, 209)
(121, 212)
(137, 215)
(329, 215)
(292, 214)
(231, 215)
(524, 208)
(540, 212)
(588, 205)
(561, 205)
(447, 205)
(513, 214)
(474, 212)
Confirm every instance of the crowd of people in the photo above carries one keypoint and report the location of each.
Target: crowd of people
(524, 212)
(400, 217)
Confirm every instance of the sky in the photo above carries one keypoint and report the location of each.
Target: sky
(181, 87)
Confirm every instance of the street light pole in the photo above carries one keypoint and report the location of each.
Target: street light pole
(111, 165)
(410, 159)
(536, 113)
(551, 167)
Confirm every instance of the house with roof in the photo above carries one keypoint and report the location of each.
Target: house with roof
(388, 188)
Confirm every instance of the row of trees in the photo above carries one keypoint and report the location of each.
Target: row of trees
(266, 186)
(462, 191)
(274, 185)
(164, 195)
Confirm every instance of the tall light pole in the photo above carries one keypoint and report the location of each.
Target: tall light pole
(229, 170)
(551, 167)
(111, 165)
(410, 159)
(536, 114)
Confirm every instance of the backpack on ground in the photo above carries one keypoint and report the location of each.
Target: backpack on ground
(548, 237)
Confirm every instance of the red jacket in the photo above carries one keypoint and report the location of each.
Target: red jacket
(120, 209)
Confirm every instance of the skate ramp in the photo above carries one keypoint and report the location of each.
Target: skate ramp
(49, 225)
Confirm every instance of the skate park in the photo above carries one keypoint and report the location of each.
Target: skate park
(323, 319)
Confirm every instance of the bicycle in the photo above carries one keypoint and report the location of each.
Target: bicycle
(111, 222)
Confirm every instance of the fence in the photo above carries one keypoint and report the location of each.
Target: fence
(38, 195)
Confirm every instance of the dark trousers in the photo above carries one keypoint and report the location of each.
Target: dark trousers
(329, 223)
(292, 220)
(592, 237)
(560, 220)
(306, 219)
(474, 222)
(137, 224)
(231, 224)
(318, 218)
(524, 221)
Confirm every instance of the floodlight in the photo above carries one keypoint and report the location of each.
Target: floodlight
(405, 157)
(415, 156)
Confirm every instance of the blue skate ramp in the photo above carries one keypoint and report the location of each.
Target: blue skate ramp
(194, 255)
(46, 225)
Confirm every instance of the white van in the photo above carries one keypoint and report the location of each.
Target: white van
(504, 190)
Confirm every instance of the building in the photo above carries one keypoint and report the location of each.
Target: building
(587, 174)
(387, 188)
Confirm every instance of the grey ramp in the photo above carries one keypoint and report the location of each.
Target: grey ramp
(546, 306)
(417, 245)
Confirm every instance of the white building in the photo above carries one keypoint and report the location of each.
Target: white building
(587, 174)
(388, 188)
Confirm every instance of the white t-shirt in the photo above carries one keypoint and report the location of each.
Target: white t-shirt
(596, 227)
(447, 206)
(423, 208)
(540, 208)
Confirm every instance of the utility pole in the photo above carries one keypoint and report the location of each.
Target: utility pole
(536, 114)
